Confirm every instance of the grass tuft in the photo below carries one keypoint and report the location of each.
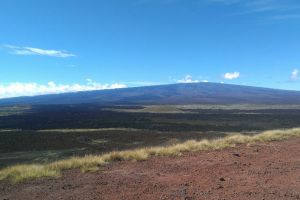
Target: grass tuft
(19, 173)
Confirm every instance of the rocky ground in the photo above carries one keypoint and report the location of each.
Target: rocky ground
(261, 171)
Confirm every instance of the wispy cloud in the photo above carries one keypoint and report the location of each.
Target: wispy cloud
(295, 74)
(227, 2)
(231, 76)
(285, 16)
(37, 51)
(274, 9)
(30, 89)
(270, 10)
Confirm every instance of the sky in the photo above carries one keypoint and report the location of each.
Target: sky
(55, 46)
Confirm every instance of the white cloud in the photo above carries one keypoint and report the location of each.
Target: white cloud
(188, 79)
(143, 83)
(295, 74)
(36, 51)
(30, 89)
(232, 75)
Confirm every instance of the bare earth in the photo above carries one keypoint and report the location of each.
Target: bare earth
(262, 171)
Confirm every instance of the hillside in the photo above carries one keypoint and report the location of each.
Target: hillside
(192, 93)
(260, 171)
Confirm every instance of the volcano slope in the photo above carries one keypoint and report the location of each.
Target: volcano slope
(264, 170)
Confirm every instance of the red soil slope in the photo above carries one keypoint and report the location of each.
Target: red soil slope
(263, 171)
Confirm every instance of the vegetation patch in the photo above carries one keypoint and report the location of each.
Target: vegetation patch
(91, 163)
(152, 109)
(40, 157)
(82, 130)
(13, 110)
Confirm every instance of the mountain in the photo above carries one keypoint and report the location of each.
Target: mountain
(191, 93)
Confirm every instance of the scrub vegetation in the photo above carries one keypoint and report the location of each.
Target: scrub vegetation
(19, 173)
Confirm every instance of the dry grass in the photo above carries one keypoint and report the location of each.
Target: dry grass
(91, 163)
(24, 172)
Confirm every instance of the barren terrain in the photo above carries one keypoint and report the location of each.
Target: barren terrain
(261, 171)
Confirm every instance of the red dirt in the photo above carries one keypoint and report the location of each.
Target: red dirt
(263, 171)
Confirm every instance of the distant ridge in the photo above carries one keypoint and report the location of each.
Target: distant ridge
(187, 93)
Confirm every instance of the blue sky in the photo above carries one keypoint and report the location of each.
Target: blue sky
(50, 46)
